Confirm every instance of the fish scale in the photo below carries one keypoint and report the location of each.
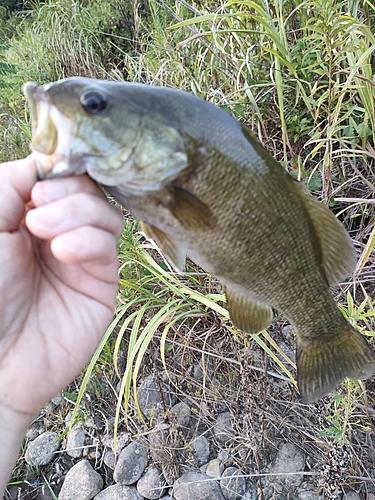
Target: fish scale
(204, 187)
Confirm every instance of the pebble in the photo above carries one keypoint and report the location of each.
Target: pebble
(232, 484)
(75, 441)
(196, 486)
(149, 397)
(152, 484)
(122, 439)
(119, 492)
(81, 482)
(289, 460)
(223, 428)
(131, 463)
(202, 449)
(214, 468)
(109, 458)
(351, 495)
(180, 415)
(308, 492)
(42, 450)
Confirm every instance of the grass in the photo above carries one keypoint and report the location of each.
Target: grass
(300, 74)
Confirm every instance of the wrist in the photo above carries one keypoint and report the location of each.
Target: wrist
(13, 427)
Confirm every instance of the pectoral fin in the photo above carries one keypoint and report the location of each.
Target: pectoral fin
(189, 210)
(337, 250)
(247, 314)
(166, 245)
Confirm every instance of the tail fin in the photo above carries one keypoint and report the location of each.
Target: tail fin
(323, 364)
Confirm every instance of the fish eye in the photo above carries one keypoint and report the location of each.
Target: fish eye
(93, 101)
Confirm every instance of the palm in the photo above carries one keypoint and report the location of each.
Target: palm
(54, 312)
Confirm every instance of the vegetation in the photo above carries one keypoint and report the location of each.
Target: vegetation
(299, 73)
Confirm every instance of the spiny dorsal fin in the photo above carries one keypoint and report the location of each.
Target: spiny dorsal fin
(247, 314)
(166, 245)
(189, 210)
(337, 250)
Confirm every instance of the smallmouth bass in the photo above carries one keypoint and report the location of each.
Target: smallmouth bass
(204, 187)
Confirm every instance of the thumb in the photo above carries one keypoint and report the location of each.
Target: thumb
(16, 181)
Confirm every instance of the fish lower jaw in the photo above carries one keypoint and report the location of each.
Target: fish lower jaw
(51, 166)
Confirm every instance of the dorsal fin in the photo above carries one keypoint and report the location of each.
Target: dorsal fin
(337, 250)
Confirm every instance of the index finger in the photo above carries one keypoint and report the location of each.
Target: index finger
(16, 181)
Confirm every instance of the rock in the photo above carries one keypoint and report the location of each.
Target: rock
(150, 399)
(225, 457)
(196, 486)
(35, 430)
(152, 484)
(109, 458)
(214, 468)
(57, 400)
(123, 438)
(232, 484)
(289, 461)
(308, 492)
(75, 441)
(223, 428)
(202, 449)
(180, 415)
(351, 495)
(81, 482)
(42, 450)
(119, 492)
(131, 463)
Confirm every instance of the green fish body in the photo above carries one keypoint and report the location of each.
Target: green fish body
(204, 187)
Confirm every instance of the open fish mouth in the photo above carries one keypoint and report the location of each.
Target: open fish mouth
(52, 134)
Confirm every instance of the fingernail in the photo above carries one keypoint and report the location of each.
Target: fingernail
(51, 190)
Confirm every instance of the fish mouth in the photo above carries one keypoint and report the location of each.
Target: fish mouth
(51, 135)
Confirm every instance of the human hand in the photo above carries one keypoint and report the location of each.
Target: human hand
(58, 283)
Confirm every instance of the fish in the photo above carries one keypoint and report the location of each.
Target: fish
(204, 187)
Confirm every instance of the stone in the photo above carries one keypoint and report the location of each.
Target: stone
(109, 458)
(223, 428)
(233, 484)
(180, 415)
(81, 482)
(122, 439)
(196, 486)
(75, 441)
(119, 492)
(214, 468)
(351, 495)
(289, 461)
(308, 491)
(131, 463)
(42, 450)
(202, 449)
(152, 484)
(149, 397)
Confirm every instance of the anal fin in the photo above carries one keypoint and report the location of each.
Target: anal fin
(247, 314)
(166, 245)
(337, 250)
